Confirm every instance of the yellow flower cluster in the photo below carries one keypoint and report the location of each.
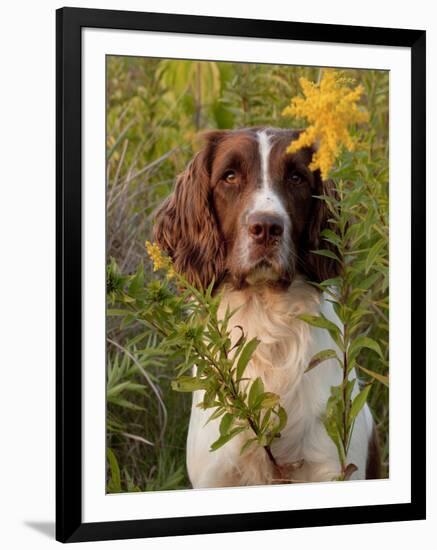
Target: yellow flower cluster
(160, 261)
(330, 107)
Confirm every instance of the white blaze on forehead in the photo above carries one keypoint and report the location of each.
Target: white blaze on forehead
(266, 200)
(264, 152)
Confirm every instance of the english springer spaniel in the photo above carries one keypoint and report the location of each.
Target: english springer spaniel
(244, 213)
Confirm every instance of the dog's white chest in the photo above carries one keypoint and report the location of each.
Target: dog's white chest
(286, 346)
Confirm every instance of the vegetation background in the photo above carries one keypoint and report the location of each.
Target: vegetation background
(155, 111)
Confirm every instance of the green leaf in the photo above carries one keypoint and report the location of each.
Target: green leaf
(226, 423)
(334, 282)
(265, 419)
(222, 440)
(209, 397)
(114, 468)
(320, 321)
(208, 291)
(116, 312)
(126, 404)
(137, 281)
(326, 253)
(320, 357)
(373, 254)
(245, 356)
(256, 389)
(267, 400)
(380, 377)
(187, 384)
(119, 388)
(282, 416)
(364, 342)
(369, 281)
(349, 387)
(216, 414)
(330, 236)
(248, 444)
(332, 427)
(358, 403)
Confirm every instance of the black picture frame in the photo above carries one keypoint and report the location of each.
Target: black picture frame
(69, 24)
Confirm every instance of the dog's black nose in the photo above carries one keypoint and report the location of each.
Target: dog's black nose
(265, 228)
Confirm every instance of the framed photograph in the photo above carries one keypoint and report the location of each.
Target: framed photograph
(240, 275)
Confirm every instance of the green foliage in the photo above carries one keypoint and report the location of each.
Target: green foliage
(359, 235)
(189, 331)
(154, 110)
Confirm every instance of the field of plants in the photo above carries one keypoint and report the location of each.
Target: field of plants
(156, 110)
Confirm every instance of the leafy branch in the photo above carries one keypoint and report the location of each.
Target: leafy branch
(192, 333)
(356, 221)
(349, 295)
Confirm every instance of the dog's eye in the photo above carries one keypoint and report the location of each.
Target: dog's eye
(230, 176)
(295, 178)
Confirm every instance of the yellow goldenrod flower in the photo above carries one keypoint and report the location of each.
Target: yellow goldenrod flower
(330, 107)
(160, 261)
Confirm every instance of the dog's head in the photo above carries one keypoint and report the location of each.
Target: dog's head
(244, 210)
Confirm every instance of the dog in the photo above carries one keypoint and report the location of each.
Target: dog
(244, 213)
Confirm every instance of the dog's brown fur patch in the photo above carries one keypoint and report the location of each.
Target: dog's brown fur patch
(373, 467)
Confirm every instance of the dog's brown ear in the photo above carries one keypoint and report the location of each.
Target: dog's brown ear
(186, 226)
(319, 268)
